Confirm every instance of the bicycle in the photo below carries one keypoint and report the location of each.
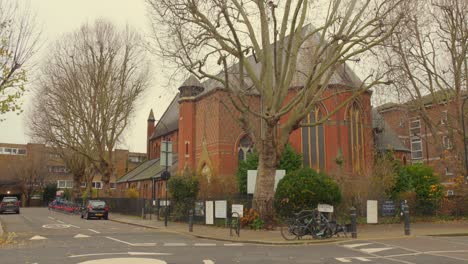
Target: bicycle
(310, 222)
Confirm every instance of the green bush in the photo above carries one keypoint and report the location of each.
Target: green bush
(290, 161)
(49, 193)
(304, 189)
(183, 191)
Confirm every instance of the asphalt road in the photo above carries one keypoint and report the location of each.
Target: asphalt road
(44, 237)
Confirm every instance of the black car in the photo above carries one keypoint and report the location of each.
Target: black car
(10, 204)
(95, 208)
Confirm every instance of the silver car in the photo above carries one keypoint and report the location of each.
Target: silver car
(10, 204)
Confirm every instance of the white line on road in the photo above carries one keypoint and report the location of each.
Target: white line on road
(74, 226)
(62, 222)
(343, 259)
(92, 230)
(144, 244)
(374, 250)
(208, 261)
(363, 259)
(234, 245)
(81, 236)
(50, 217)
(37, 238)
(175, 244)
(115, 239)
(204, 244)
(121, 253)
(356, 245)
(148, 253)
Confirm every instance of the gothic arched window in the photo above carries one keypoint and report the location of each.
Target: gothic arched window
(313, 141)
(354, 118)
(244, 148)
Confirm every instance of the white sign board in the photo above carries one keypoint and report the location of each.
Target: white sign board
(163, 203)
(166, 151)
(209, 220)
(238, 208)
(372, 211)
(221, 209)
(325, 208)
(252, 179)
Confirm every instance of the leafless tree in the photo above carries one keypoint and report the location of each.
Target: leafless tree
(19, 38)
(88, 92)
(266, 48)
(427, 59)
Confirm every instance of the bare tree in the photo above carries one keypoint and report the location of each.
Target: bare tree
(266, 48)
(88, 92)
(427, 59)
(19, 37)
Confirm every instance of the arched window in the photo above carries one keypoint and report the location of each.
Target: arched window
(354, 120)
(244, 148)
(313, 141)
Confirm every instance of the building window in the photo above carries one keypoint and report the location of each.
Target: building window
(416, 148)
(13, 151)
(444, 117)
(97, 185)
(448, 172)
(64, 184)
(447, 142)
(355, 137)
(313, 139)
(415, 127)
(112, 185)
(244, 148)
(402, 123)
(83, 185)
(186, 149)
(450, 192)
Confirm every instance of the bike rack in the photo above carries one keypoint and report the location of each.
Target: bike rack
(237, 229)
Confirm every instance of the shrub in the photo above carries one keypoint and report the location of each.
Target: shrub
(67, 194)
(290, 161)
(49, 192)
(132, 193)
(183, 191)
(304, 189)
(252, 219)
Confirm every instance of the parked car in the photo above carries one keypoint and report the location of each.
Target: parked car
(10, 204)
(95, 208)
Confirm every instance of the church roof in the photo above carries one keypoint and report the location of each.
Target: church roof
(191, 81)
(169, 121)
(151, 116)
(148, 170)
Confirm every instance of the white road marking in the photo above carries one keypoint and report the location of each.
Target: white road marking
(374, 250)
(56, 226)
(148, 254)
(234, 245)
(204, 244)
(343, 259)
(356, 245)
(208, 261)
(115, 239)
(37, 238)
(62, 222)
(80, 236)
(74, 226)
(92, 230)
(50, 217)
(363, 259)
(144, 244)
(121, 253)
(175, 244)
(125, 261)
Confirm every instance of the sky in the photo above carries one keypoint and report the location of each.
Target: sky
(58, 17)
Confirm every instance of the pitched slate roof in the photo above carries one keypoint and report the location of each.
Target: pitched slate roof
(169, 121)
(148, 170)
(384, 137)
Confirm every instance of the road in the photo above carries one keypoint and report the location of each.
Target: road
(45, 237)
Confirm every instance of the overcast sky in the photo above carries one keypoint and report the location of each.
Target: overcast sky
(61, 16)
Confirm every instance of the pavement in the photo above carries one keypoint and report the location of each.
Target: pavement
(379, 231)
(47, 237)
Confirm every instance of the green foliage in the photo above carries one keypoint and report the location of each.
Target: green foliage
(132, 193)
(183, 191)
(420, 179)
(49, 193)
(257, 224)
(290, 161)
(67, 194)
(304, 189)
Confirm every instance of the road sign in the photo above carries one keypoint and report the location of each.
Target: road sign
(325, 208)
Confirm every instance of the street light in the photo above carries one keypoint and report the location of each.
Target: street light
(464, 137)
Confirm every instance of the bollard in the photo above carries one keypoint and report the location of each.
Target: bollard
(353, 222)
(407, 219)
(143, 215)
(190, 223)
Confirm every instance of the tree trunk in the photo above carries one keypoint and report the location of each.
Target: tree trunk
(264, 188)
(76, 186)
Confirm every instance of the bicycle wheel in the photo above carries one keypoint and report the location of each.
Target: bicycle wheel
(291, 230)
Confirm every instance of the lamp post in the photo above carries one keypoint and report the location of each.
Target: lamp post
(464, 137)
